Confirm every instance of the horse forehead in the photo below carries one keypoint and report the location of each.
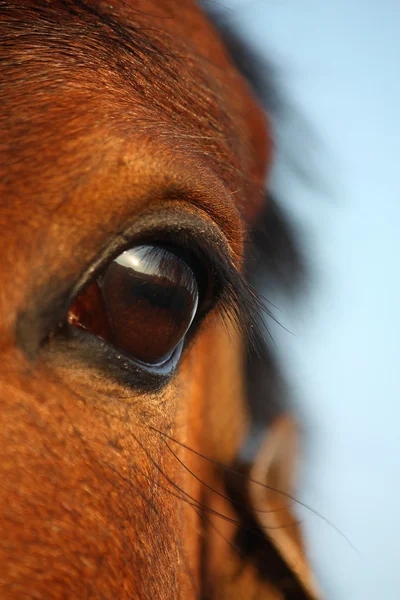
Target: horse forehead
(166, 76)
(232, 103)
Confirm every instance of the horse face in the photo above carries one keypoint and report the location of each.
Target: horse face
(124, 126)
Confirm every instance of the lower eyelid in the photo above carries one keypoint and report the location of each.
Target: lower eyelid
(71, 348)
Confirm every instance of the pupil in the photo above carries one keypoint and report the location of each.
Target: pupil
(151, 298)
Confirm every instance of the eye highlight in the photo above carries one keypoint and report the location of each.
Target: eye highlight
(143, 304)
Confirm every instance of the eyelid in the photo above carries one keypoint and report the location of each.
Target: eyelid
(187, 232)
(192, 232)
(47, 306)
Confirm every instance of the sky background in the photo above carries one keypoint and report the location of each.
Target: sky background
(339, 66)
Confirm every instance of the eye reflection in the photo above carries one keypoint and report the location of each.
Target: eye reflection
(144, 304)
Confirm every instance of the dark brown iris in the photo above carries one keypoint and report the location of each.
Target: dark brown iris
(143, 305)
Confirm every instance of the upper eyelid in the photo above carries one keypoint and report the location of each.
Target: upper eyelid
(167, 225)
(236, 300)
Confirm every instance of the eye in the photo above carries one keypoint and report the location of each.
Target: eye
(143, 304)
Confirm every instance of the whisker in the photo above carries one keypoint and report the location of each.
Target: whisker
(235, 547)
(189, 499)
(268, 487)
(234, 472)
(192, 501)
(240, 504)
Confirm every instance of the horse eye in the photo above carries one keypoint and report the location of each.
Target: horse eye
(143, 304)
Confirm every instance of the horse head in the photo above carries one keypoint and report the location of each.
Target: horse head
(133, 164)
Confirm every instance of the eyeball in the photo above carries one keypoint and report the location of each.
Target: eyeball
(143, 304)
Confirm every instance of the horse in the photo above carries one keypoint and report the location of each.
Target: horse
(144, 450)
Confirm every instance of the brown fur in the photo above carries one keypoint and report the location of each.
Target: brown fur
(110, 114)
